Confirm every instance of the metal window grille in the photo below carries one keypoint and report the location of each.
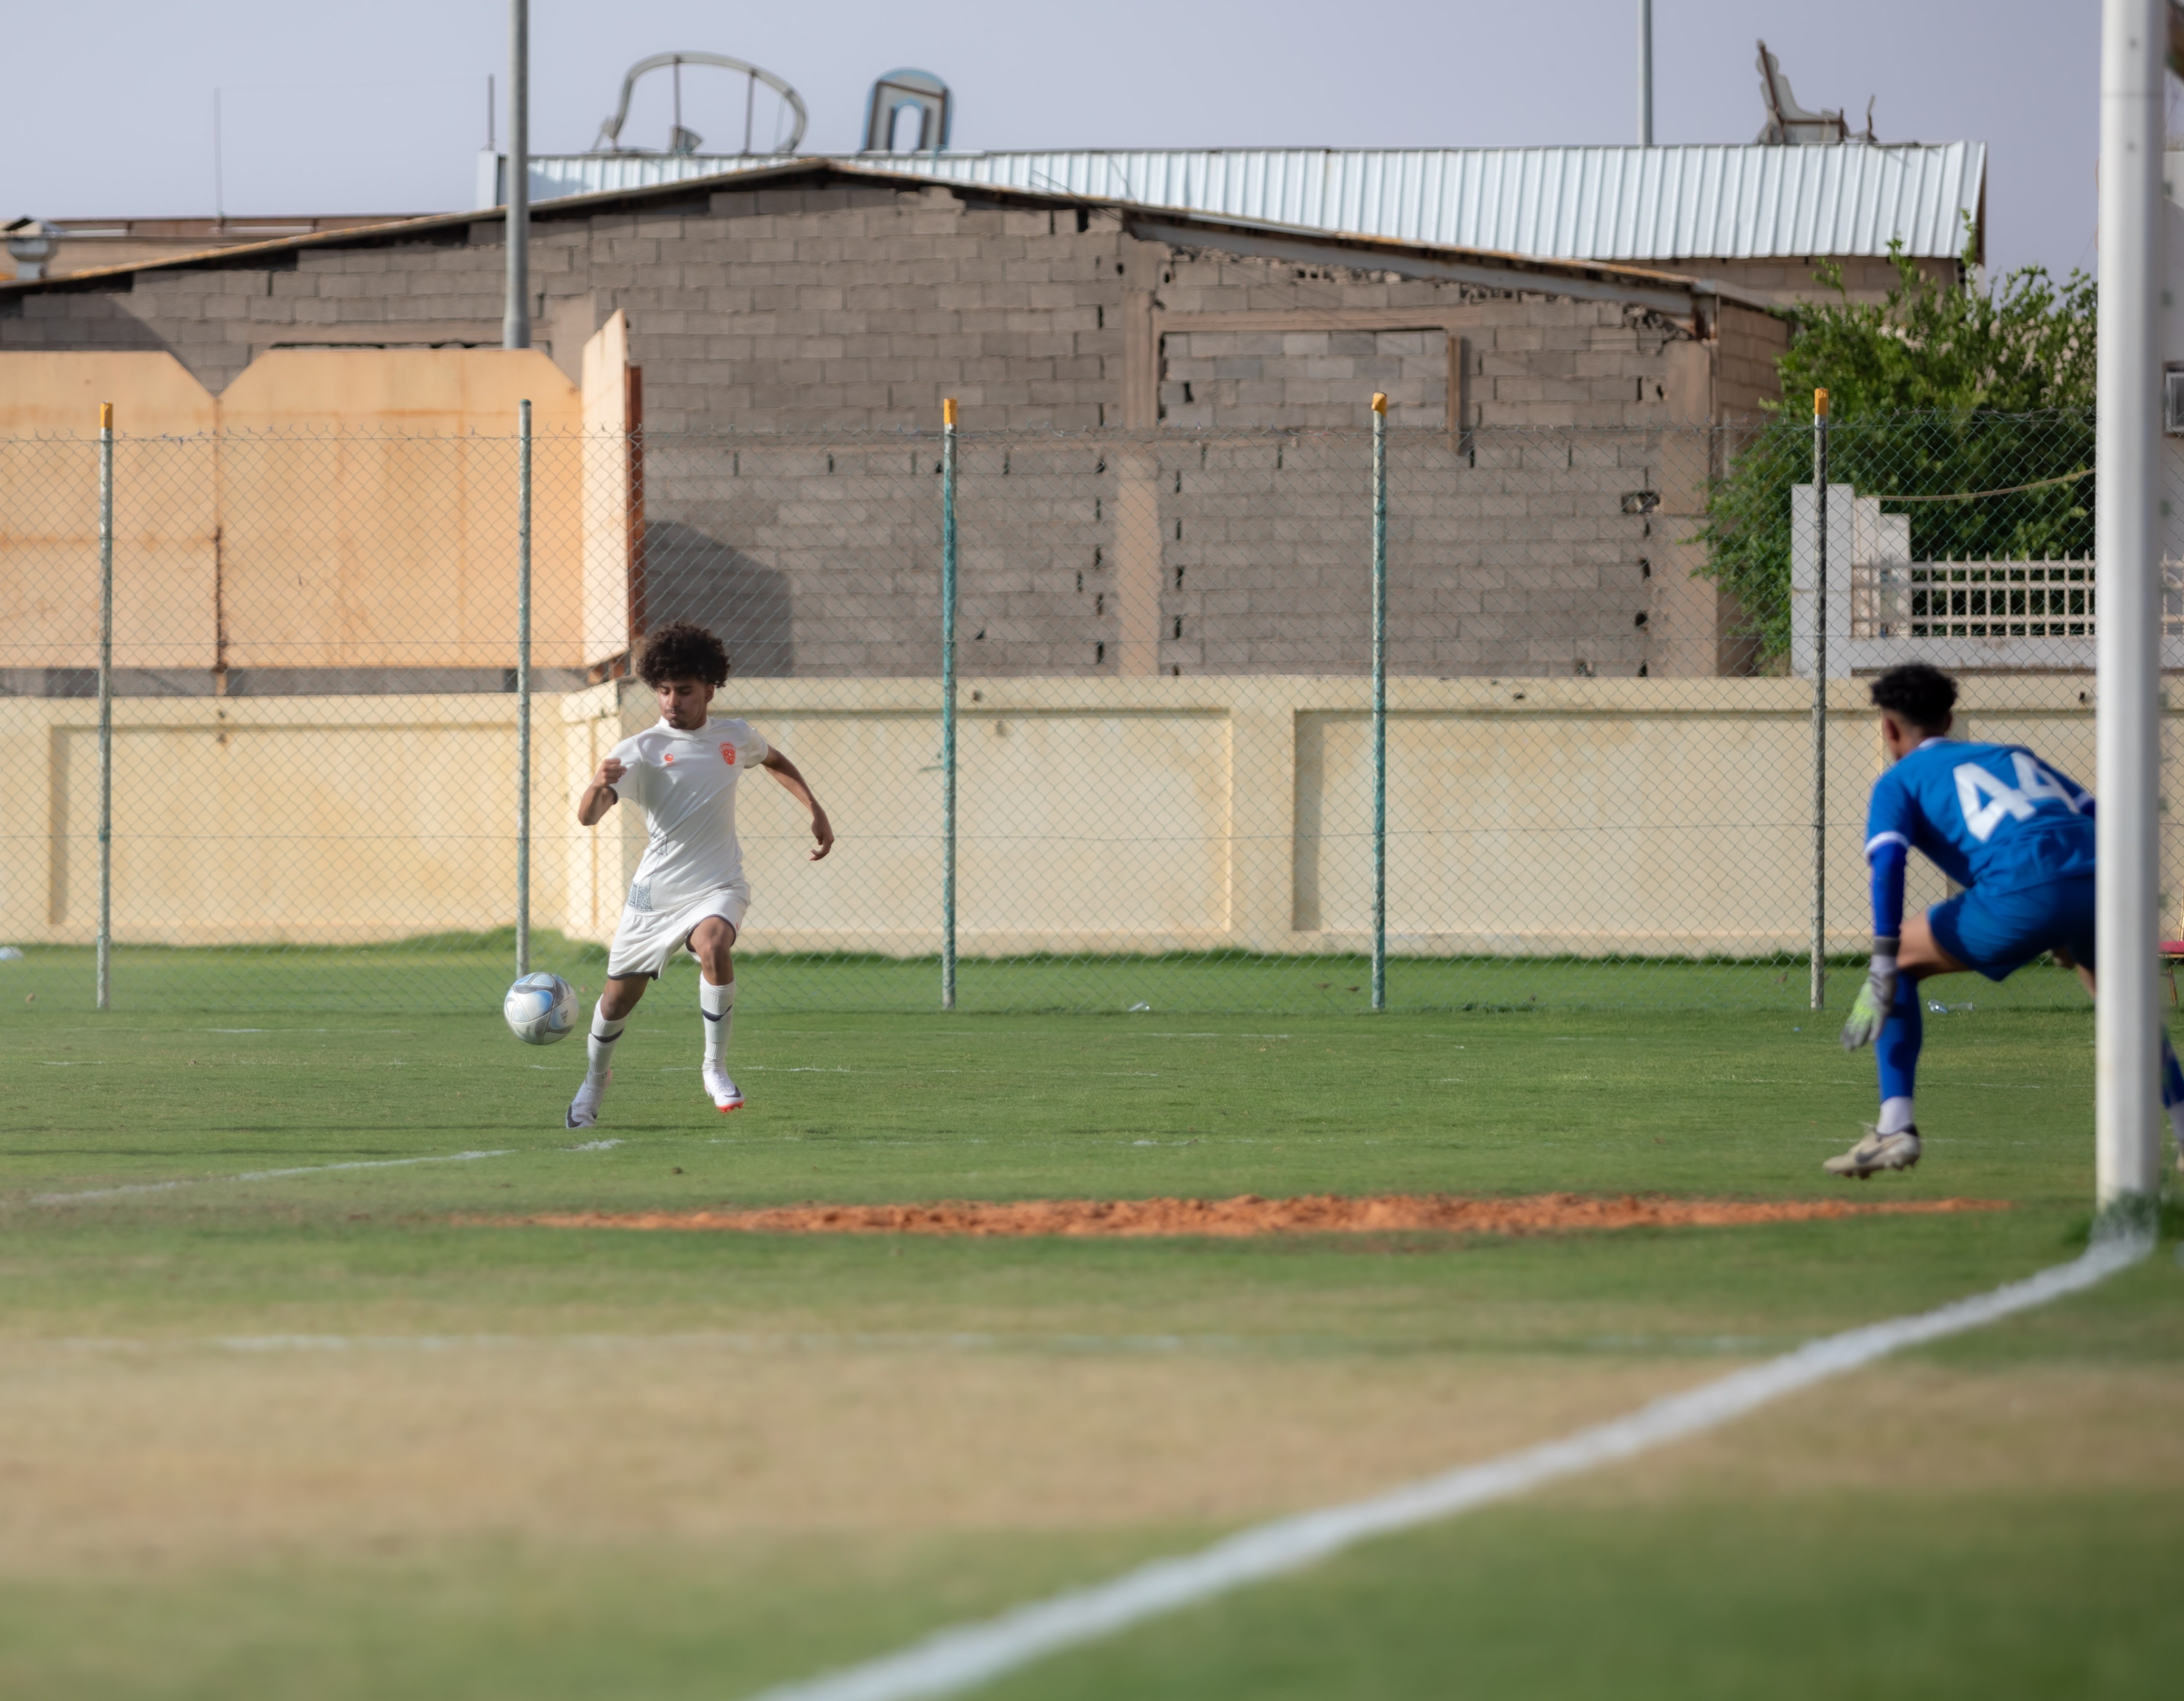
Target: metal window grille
(1976, 599)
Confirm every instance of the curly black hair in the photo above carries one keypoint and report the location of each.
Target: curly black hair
(1922, 694)
(682, 651)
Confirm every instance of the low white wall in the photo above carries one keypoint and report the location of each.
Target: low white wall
(1117, 815)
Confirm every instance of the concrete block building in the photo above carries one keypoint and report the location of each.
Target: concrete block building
(1162, 413)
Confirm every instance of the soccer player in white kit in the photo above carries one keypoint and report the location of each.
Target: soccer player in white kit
(689, 888)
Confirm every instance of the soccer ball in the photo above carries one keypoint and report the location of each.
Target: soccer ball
(540, 1008)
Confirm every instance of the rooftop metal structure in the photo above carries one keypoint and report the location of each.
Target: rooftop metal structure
(1638, 204)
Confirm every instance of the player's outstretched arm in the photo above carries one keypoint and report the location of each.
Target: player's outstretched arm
(599, 796)
(794, 783)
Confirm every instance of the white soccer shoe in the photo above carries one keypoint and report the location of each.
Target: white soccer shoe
(584, 1109)
(1875, 1152)
(727, 1094)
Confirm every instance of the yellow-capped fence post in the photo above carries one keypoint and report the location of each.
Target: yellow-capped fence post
(948, 703)
(105, 703)
(1379, 701)
(1820, 699)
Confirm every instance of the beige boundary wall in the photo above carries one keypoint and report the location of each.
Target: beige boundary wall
(331, 508)
(1097, 815)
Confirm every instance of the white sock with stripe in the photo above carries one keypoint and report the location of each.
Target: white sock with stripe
(599, 1047)
(718, 1005)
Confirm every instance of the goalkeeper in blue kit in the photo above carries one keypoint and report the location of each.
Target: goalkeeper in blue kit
(2018, 835)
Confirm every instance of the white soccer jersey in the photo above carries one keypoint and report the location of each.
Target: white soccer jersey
(686, 784)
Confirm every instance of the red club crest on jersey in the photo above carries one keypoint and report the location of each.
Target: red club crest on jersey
(728, 754)
(669, 758)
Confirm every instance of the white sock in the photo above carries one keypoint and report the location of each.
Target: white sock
(1895, 1116)
(718, 1005)
(599, 1047)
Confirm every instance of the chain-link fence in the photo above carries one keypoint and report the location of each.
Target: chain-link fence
(1301, 720)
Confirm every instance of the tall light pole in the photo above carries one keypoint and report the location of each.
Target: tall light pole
(2127, 549)
(515, 319)
(1645, 73)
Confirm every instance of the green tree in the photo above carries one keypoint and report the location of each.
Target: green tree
(1939, 390)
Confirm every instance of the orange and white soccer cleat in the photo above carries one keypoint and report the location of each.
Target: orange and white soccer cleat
(727, 1094)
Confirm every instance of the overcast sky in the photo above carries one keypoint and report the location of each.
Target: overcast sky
(381, 107)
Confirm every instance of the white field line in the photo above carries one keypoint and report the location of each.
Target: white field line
(951, 1661)
(265, 1175)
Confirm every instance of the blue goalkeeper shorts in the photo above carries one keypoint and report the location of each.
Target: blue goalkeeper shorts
(1997, 931)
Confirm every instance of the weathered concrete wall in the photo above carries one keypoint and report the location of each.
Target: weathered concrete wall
(1747, 376)
(92, 244)
(762, 310)
(165, 517)
(1302, 379)
(1509, 552)
(1581, 364)
(854, 307)
(857, 308)
(431, 292)
(1526, 816)
(369, 509)
(300, 820)
(1865, 278)
(343, 509)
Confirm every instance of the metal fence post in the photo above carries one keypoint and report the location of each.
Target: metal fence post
(948, 703)
(1819, 699)
(515, 312)
(523, 689)
(1379, 701)
(105, 703)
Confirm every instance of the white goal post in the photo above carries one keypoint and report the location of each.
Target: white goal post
(2127, 543)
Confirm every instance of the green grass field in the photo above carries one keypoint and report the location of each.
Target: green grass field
(338, 1433)
(462, 974)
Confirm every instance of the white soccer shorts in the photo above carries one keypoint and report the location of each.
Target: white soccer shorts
(647, 938)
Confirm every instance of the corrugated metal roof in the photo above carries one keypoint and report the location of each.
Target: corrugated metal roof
(1599, 203)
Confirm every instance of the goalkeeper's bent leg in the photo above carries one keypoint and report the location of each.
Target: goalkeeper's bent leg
(1896, 1051)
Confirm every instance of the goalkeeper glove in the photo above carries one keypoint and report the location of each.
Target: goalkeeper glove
(1875, 999)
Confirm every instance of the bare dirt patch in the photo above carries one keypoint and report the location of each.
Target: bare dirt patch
(183, 1453)
(1248, 1214)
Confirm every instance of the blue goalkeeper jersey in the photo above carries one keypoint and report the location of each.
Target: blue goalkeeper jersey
(1994, 817)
